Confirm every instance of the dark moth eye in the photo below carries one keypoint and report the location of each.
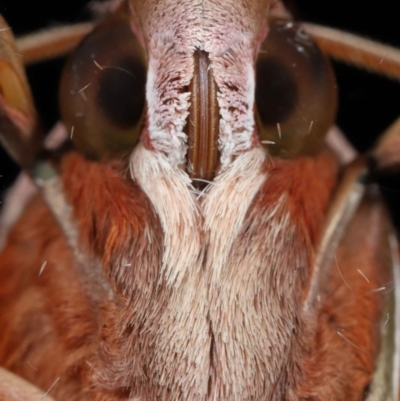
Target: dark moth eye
(102, 94)
(296, 97)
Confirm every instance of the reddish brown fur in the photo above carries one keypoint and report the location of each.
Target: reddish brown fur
(332, 368)
(307, 184)
(68, 322)
(335, 369)
(115, 328)
(115, 221)
(38, 341)
(55, 321)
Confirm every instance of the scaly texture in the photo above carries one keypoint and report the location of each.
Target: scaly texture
(230, 31)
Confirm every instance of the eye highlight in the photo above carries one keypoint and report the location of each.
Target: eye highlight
(296, 98)
(102, 93)
(114, 94)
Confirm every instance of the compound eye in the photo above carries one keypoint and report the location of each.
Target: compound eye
(296, 96)
(102, 94)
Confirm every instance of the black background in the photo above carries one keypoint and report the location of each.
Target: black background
(368, 103)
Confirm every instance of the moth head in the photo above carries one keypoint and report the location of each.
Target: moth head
(198, 82)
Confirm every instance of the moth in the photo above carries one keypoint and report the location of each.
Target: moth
(198, 229)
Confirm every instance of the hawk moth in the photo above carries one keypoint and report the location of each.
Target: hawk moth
(183, 290)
